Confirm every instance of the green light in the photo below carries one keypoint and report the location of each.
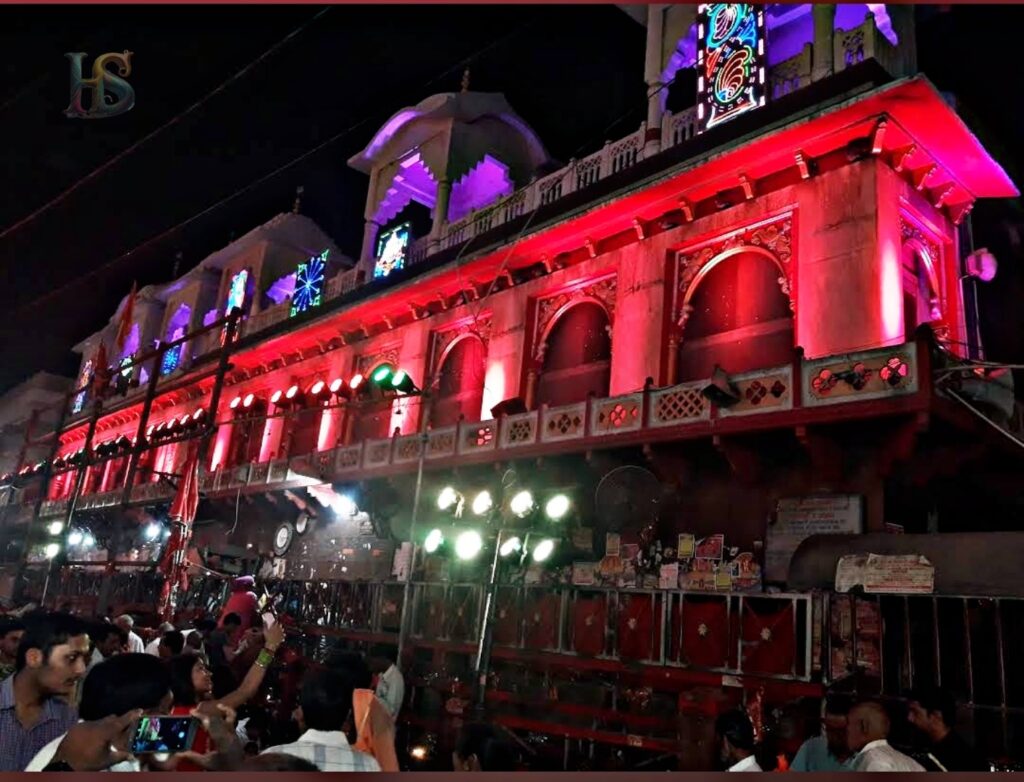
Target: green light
(468, 544)
(396, 381)
(434, 540)
(543, 550)
(381, 374)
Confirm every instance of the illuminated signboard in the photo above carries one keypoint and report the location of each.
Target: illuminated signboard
(309, 283)
(392, 249)
(730, 62)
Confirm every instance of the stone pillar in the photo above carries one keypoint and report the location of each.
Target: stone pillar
(652, 76)
(366, 255)
(824, 23)
(444, 191)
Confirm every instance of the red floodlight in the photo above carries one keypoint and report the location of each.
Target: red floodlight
(249, 399)
(235, 402)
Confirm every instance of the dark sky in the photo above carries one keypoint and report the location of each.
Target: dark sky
(570, 71)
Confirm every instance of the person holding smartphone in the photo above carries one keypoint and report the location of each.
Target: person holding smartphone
(192, 683)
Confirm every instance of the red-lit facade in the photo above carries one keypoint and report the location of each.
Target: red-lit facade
(805, 240)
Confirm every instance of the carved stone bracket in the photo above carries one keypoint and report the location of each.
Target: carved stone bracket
(602, 291)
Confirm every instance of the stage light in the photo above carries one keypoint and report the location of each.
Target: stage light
(434, 540)
(418, 753)
(75, 538)
(198, 414)
(55, 527)
(468, 544)
(152, 531)
(275, 398)
(88, 541)
(249, 399)
(235, 402)
(521, 503)
(344, 505)
(318, 390)
(382, 374)
(356, 381)
(402, 383)
(447, 498)
(543, 550)
(184, 420)
(291, 393)
(557, 507)
(482, 503)
(52, 550)
(510, 547)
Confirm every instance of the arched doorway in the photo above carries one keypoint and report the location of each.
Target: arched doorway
(577, 357)
(739, 318)
(372, 419)
(921, 301)
(460, 383)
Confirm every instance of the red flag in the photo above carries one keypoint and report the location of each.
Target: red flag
(182, 513)
(124, 326)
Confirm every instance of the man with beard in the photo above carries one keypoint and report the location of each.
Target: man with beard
(827, 752)
(52, 658)
(932, 711)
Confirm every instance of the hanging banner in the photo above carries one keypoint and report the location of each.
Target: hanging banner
(886, 574)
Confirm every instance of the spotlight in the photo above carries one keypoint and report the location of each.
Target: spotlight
(510, 547)
(198, 414)
(482, 503)
(88, 541)
(55, 527)
(521, 503)
(52, 550)
(434, 540)
(447, 498)
(356, 381)
(557, 507)
(402, 383)
(152, 531)
(344, 505)
(235, 402)
(292, 395)
(319, 391)
(418, 753)
(275, 399)
(468, 544)
(381, 375)
(249, 399)
(75, 538)
(543, 550)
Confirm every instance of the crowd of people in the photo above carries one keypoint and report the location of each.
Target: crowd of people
(73, 691)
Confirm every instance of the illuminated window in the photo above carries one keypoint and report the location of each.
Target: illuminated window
(309, 283)
(730, 61)
(236, 292)
(392, 249)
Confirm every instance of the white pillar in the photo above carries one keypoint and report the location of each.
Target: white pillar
(652, 76)
(444, 191)
(824, 23)
(369, 251)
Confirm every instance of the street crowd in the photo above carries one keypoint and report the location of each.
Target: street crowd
(73, 692)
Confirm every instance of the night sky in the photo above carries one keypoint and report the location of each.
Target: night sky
(575, 73)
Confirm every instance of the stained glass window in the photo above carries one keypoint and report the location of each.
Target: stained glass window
(309, 283)
(392, 248)
(730, 61)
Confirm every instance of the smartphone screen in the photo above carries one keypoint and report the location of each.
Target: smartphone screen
(163, 734)
(269, 619)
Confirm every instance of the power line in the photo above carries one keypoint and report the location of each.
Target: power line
(173, 121)
(232, 196)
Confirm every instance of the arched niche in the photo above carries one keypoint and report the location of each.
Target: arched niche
(460, 382)
(576, 354)
(736, 313)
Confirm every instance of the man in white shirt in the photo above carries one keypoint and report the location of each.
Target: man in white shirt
(390, 683)
(126, 623)
(736, 741)
(107, 640)
(867, 733)
(325, 704)
(153, 647)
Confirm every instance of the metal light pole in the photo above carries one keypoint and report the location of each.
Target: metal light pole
(403, 626)
(483, 649)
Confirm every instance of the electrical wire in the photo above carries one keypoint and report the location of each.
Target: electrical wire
(295, 161)
(154, 133)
